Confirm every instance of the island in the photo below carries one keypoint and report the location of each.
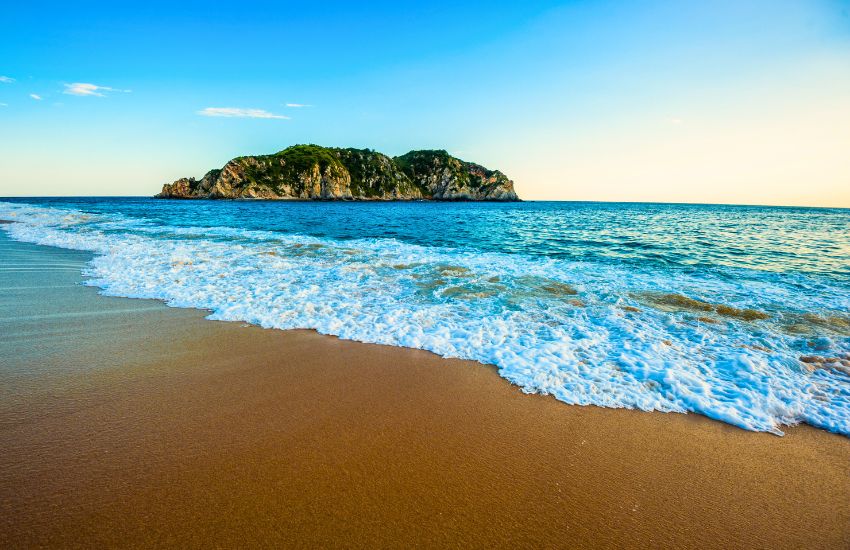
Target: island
(313, 172)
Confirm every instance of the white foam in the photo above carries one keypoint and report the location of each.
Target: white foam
(493, 308)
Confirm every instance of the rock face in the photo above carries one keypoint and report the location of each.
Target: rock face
(448, 178)
(314, 172)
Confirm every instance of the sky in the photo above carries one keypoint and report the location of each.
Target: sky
(742, 102)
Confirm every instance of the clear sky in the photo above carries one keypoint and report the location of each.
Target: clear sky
(677, 101)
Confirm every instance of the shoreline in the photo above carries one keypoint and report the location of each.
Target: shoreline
(133, 423)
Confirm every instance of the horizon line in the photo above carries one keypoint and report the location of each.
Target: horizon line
(521, 200)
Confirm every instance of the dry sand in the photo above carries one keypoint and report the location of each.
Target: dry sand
(127, 423)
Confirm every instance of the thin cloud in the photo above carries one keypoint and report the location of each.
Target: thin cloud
(298, 105)
(6, 79)
(4, 104)
(88, 89)
(236, 112)
(36, 97)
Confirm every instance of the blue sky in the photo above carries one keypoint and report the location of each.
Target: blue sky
(724, 101)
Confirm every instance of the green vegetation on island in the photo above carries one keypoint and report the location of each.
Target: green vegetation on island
(330, 173)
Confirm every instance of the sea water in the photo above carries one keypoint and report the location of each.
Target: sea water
(738, 313)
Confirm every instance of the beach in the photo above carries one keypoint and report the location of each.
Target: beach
(125, 422)
(427, 275)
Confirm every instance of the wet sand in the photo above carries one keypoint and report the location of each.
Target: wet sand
(127, 423)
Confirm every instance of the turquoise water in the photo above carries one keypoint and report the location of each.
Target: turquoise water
(738, 313)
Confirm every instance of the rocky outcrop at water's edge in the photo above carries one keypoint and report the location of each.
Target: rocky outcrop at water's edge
(328, 173)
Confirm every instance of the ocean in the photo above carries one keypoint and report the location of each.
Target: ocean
(739, 313)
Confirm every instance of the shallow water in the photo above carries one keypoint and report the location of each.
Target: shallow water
(738, 313)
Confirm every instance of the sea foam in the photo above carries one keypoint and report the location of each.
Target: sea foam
(586, 333)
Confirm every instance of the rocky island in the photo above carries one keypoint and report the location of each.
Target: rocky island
(329, 173)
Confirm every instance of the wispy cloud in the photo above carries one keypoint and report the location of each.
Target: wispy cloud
(4, 104)
(676, 121)
(36, 97)
(298, 105)
(236, 112)
(88, 89)
(6, 79)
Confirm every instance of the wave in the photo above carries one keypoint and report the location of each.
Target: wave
(758, 350)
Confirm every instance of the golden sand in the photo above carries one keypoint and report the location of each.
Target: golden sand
(125, 423)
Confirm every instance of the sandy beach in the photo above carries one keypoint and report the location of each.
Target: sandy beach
(128, 423)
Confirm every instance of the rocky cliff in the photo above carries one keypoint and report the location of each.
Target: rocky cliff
(314, 172)
(448, 178)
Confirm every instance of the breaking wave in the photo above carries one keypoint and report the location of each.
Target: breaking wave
(759, 352)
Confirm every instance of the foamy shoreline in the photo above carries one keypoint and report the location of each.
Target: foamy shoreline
(581, 334)
(136, 424)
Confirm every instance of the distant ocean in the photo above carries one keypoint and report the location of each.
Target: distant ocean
(735, 312)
